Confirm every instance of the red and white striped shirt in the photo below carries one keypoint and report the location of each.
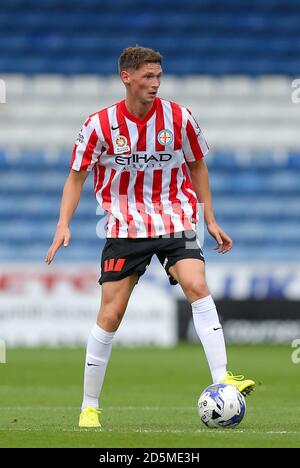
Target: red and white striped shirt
(141, 177)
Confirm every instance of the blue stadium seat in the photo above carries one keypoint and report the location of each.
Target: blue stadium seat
(294, 160)
(256, 200)
(207, 37)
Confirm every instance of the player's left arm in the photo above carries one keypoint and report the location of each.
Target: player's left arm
(200, 181)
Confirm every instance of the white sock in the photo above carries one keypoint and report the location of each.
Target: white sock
(97, 356)
(210, 332)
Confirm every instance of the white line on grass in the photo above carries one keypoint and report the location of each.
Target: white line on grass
(106, 408)
(153, 431)
(139, 430)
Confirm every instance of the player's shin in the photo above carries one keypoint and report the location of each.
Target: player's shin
(97, 356)
(210, 333)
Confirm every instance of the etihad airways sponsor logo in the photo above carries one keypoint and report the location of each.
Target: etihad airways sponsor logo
(137, 158)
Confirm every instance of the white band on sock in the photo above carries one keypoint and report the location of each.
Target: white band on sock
(203, 305)
(102, 335)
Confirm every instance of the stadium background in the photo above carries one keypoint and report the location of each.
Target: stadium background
(233, 65)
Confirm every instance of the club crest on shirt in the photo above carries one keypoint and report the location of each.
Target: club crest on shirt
(80, 138)
(165, 137)
(120, 145)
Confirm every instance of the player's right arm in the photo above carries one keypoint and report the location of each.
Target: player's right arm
(85, 155)
(70, 199)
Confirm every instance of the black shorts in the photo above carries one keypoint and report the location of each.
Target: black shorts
(123, 257)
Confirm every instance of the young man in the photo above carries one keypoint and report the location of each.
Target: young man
(139, 149)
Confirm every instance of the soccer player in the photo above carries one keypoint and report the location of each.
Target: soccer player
(147, 156)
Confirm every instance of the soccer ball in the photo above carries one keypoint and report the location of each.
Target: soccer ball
(221, 405)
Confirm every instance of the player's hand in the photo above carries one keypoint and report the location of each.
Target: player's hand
(224, 242)
(62, 237)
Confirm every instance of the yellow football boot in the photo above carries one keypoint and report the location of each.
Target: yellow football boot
(89, 417)
(245, 386)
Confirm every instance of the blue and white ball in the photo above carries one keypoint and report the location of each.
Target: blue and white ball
(221, 405)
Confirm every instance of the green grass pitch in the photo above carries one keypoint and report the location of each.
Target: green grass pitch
(149, 399)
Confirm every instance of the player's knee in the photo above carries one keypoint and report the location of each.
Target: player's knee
(197, 289)
(109, 323)
(110, 318)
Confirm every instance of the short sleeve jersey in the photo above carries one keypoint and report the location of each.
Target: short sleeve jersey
(140, 174)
